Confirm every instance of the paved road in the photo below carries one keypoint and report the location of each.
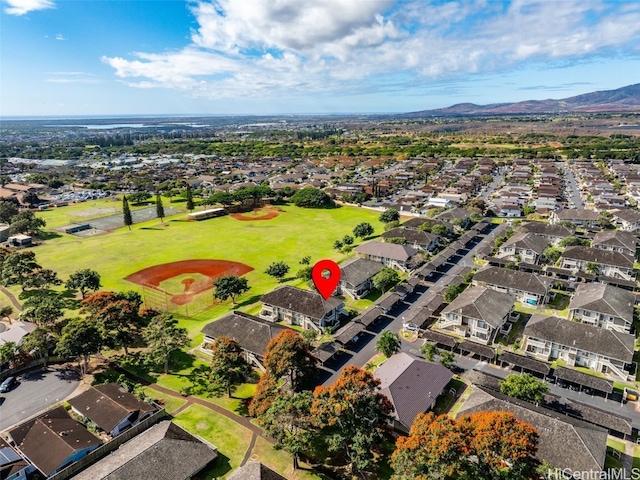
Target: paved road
(365, 348)
(572, 187)
(37, 391)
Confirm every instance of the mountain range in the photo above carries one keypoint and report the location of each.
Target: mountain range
(625, 99)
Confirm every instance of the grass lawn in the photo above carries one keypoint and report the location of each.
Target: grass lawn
(365, 302)
(615, 444)
(375, 361)
(231, 439)
(636, 456)
(280, 461)
(171, 404)
(296, 232)
(453, 411)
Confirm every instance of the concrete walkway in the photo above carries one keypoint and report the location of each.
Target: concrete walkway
(14, 301)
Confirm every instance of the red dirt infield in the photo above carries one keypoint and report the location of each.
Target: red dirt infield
(265, 213)
(153, 276)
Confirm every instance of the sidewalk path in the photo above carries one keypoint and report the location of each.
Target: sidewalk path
(11, 298)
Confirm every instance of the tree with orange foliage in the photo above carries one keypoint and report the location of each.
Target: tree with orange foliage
(482, 446)
(288, 355)
(266, 392)
(352, 414)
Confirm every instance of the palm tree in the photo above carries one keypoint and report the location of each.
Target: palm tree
(388, 343)
(593, 268)
(429, 350)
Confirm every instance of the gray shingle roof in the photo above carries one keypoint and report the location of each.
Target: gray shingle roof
(577, 214)
(581, 336)
(616, 238)
(599, 417)
(400, 253)
(368, 316)
(407, 383)
(627, 214)
(482, 303)
(252, 333)
(107, 405)
(482, 350)
(563, 441)
(255, 471)
(163, 452)
(346, 333)
(530, 241)
(558, 231)
(359, 271)
(440, 338)
(604, 298)
(596, 255)
(305, 302)
(525, 362)
(410, 235)
(584, 379)
(507, 278)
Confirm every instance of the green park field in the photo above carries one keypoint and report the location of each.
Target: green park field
(295, 233)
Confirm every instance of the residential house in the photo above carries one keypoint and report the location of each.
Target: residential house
(389, 254)
(616, 241)
(12, 465)
(526, 287)
(477, 314)
(627, 219)
(252, 334)
(356, 277)
(111, 408)
(568, 444)
(603, 306)
(523, 247)
(16, 332)
(600, 262)
(164, 451)
(255, 471)
(579, 217)
(305, 308)
(578, 344)
(553, 233)
(52, 441)
(412, 386)
(455, 215)
(413, 237)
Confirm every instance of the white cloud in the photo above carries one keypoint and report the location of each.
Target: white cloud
(258, 48)
(71, 77)
(22, 7)
(59, 36)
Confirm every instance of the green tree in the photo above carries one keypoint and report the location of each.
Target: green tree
(385, 278)
(17, 266)
(189, 196)
(440, 229)
(80, 338)
(159, 207)
(388, 343)
(390, 215)
(84, 280)
(26, 222)
(6, 311)
(528, 210)
(363, 230)
(8, 210)
(44, 309)
(288, 420)
(352, 415)
(8, 353)
(304, 273)
(429, 350)
(592, 268)
(338, 244)
(126, 212)
(230, 286)
(552, 254)
(306, 260)
(39, 343)
(452, 292)
(525, 387)
(164, 336)
(224, 198)
(41, 279)
(571, 241)
(347, 240)
(287, 355)
(391, 225)
(277, 270)
(310, 197)
(137, 198)
(228, 366)
(446, 358)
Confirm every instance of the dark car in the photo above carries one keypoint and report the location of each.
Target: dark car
(456, 369)
(8, 384)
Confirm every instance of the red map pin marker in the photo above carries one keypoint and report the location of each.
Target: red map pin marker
(326, 285)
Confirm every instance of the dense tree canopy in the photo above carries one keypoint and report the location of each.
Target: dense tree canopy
(164, 336)
(84, 280)
(277, 270)
(310, 197)
(230, 286)
(363, 230)
(388, 343)
(80, 338)
(390, 215)
(287, 355)
(525, 387)
(385, 278)
(228, 366)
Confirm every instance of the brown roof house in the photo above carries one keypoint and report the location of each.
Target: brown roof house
(415, 238)
(477, 314)
(579, 217)
(255, 471)
(252, 334)
(568, 444)
(523, 247)
(12, 465)
(164, 451)
(553, 233)
(412, 385)
(389, 254)
(53, 441)
(603, 306)
(527, 287)
(578, 344)
(627, 219)
(600, 262)
(356, 277)
(616, 241)
(305, 308)
(111, 408)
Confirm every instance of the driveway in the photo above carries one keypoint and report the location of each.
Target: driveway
(36, 391)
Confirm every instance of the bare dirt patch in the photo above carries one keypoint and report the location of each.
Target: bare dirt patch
(265, 213)
(183, 280)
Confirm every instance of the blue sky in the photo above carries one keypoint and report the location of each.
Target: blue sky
(127, 57)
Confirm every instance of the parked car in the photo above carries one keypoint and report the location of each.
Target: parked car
(456, 369)
(8, 384)
(630, 395)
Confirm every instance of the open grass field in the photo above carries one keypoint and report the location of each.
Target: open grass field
(294, 233)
